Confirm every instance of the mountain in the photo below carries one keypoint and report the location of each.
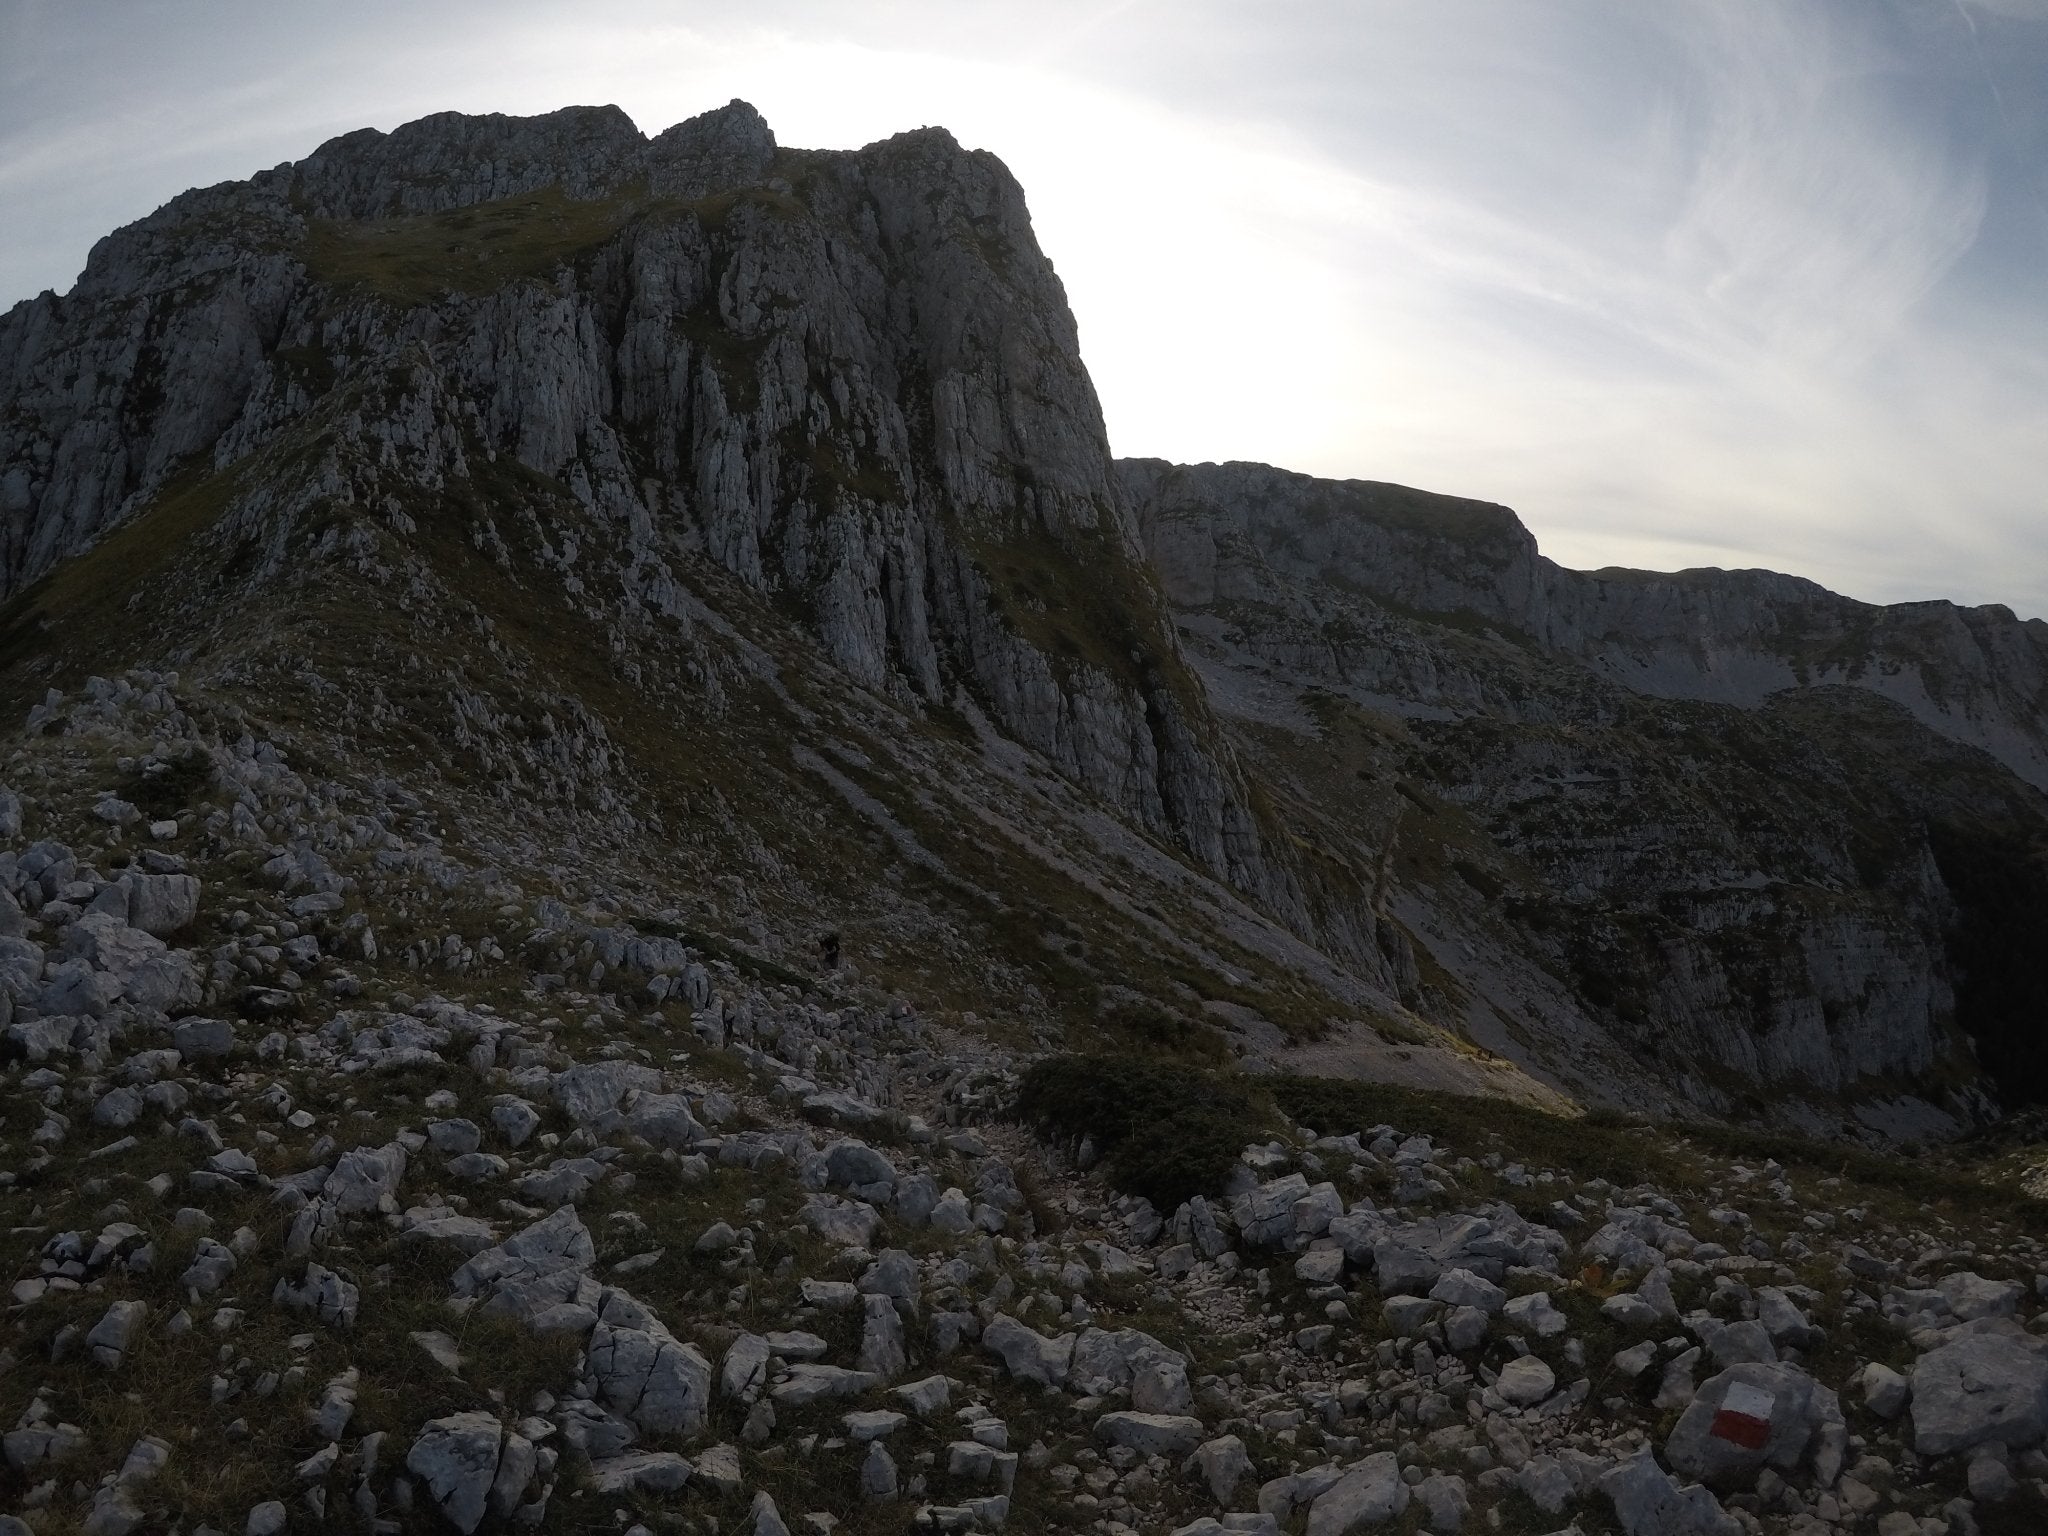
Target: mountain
(730, 531)
(1767, 838)
(639, 887)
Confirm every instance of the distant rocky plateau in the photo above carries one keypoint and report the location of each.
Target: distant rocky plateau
(641, 888)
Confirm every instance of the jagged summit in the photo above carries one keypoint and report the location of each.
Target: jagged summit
(453, 160)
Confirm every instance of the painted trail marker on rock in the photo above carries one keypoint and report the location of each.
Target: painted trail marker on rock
(1744, 1417)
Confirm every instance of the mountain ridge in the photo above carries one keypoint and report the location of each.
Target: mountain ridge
(686, 388)
(639, 887)
(1628, 623)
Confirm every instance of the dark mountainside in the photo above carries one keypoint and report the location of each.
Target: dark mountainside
(618, 678)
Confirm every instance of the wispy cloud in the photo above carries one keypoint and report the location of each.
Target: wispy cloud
(1819, 213)
(1700, 282)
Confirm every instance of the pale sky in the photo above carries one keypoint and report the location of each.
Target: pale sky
(1684, 282)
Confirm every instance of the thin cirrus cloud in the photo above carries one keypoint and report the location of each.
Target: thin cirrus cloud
(1733, 282)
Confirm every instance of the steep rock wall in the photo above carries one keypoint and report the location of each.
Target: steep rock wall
(1713, 800)
(1976, 675)
(851, 379)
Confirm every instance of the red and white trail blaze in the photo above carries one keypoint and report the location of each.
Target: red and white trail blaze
(1744, 1417)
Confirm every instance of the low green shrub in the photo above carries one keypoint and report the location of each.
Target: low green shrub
(166, 788)
(1164, 1130)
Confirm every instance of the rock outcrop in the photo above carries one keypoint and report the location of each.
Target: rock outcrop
(1249, 533)
(1752, 821)
(850, 379)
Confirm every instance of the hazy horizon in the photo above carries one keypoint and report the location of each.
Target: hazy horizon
(1736, 283)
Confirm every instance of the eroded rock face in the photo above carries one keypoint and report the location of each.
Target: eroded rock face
(1252, 533)
(851, 378)
(1368, 1495)
(543, 1022)
(1715, 775)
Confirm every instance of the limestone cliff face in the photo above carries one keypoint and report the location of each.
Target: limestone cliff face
(850, 379)
(1728, 806)
(1244, 531)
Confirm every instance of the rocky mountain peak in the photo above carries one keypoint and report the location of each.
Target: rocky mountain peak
(456, 160)
(849, 379)
(736, 413)
(638, 885)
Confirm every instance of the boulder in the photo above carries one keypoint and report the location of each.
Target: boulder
(664, 1120)
(472, 1467)
(1400, 1270)
(849, 1223)
(767, 1519)
(515, 1120)
(591, 1092)
(883, 1352)
(647, 1376)
(852, 1164)
(366, 1179)
(21, 967)
(1446, 1503)
(810, 1383)
(107, 943)
(1367, 1495)
(330, 1297)
(1628, 1310)
(878, 1472)
(1537, 1313)
(1462, 1288)
(1465, 1328)
(1223, 1463)
(1159, 1384)
(76, 988)
(1106, 1360)
(114, 1333)
(872, 1424)
(1545, 1483)
(1265, 1215)
(1649, 1502)
(1525, 1381)
(203, 1039)
(1320, 1266)
(1743, 1343)
(1754, 1416)
(744, 1371)
(37, 1040)
(1884, 1390)
(1972, 1297)
(159, 904)
(162, 983)
(639, 1472)
(1979, 1388)
(1027, 1354)
(1784, 1322)
(557, 1244)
